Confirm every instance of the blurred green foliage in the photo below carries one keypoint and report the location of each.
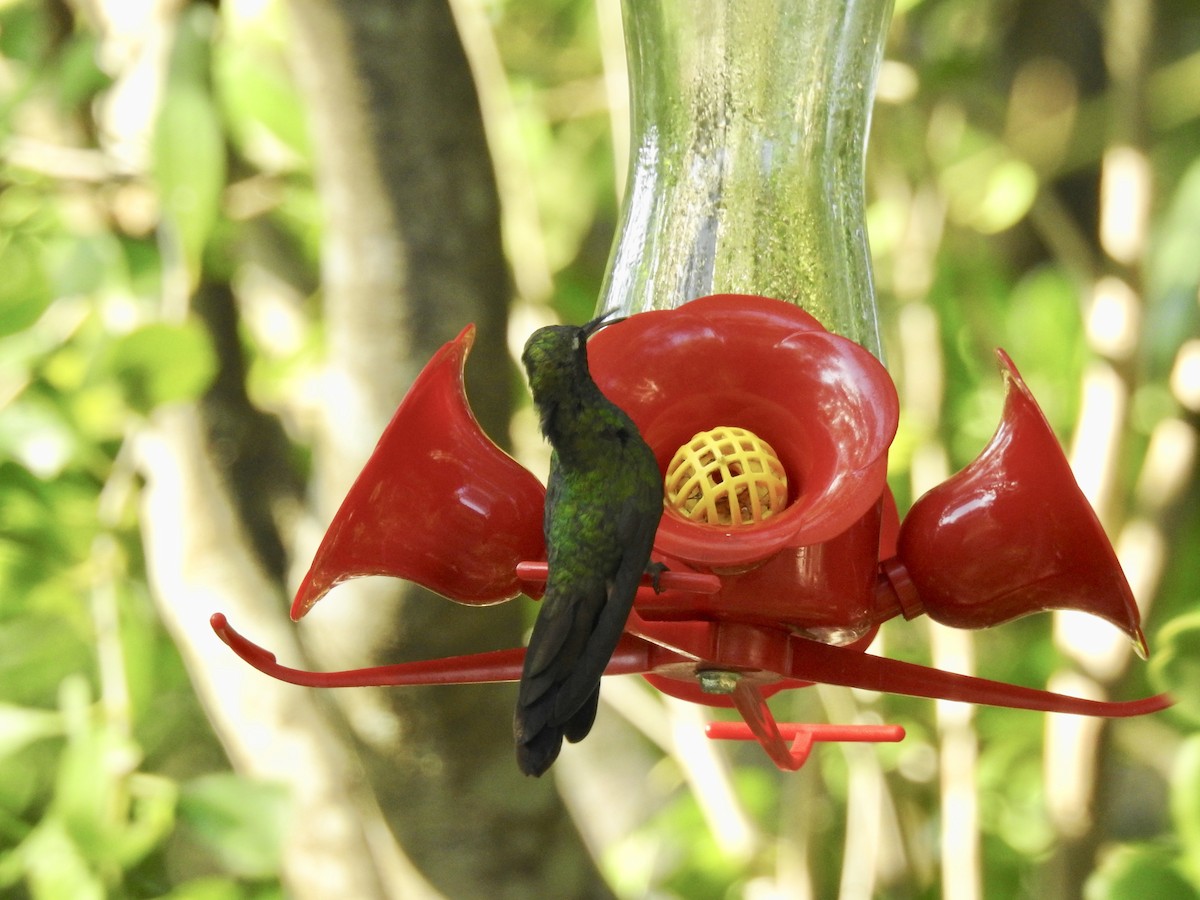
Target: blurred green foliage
(111, 781)
(113, 784)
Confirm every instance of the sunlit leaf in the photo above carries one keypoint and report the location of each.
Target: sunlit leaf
(1043, 332)
(35, 435)
(1185, 802)
(1009, 193)
(264, 109)
(54, 866)
(1175, 666)
(1139, 872)
(1173, 273)
(222, 889)
(243, 822)
(162, 363)
(79, 76)
(24, 287)
(114, 814)
(82, 264)
(36, 651)
(21, 726)
(23, 31)
(189, 144)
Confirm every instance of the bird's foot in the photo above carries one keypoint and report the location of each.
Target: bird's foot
(655, 570)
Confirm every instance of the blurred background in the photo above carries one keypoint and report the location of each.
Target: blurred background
(230, 235)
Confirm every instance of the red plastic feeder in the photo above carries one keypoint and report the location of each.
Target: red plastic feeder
(782, 561)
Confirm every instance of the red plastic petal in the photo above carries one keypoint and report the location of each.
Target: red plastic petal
(1012, 533)
(437, 503)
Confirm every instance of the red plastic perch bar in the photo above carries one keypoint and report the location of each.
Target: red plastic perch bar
(669, 580)
(803, 735)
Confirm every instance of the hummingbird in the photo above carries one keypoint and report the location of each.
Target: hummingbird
(604, 499)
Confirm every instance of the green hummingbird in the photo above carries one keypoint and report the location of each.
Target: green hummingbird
(604, 500)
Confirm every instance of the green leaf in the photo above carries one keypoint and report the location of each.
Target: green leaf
(189, 144)
(37, 435)
(54, 866)
(1185, 802)
(1139, 872)
(1175, 666)
(21, 726)
(262, 105)
(221, 889)
(83, 264)
(161, 363)
(243, 822)
(24, 287)
(35, 653)
(1173, 273)
(22, 33)
(189, 169)
(1043, 335)
(79, 77)
(115, 815)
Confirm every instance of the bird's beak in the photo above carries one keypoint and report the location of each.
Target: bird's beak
(608, 318)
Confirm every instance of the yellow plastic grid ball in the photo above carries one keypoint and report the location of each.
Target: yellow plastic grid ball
(726, 476)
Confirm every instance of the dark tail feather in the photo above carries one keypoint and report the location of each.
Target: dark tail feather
(580, 724)
(539, 742)
(537, 754)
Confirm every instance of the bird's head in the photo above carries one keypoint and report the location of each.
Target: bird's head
(555, 358)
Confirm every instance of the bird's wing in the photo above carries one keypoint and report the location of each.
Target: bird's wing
(559, 638)
(636, 536)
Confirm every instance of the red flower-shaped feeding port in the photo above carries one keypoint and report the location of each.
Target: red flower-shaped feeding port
(437, 502)
(825, 405)
(745, 609)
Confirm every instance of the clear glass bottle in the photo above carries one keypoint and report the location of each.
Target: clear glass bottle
(748, 135)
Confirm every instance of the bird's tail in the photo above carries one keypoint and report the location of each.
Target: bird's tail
(538, 740)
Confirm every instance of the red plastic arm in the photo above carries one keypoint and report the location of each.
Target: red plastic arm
(632, 656)
(814, 661)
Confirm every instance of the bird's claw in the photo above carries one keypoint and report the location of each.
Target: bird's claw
(655, 570)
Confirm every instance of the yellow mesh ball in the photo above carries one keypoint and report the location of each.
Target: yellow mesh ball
(726, 476)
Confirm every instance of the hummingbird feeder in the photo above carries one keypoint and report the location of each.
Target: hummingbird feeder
(749, 361)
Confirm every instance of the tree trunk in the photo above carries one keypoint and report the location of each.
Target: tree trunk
(412, 254)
